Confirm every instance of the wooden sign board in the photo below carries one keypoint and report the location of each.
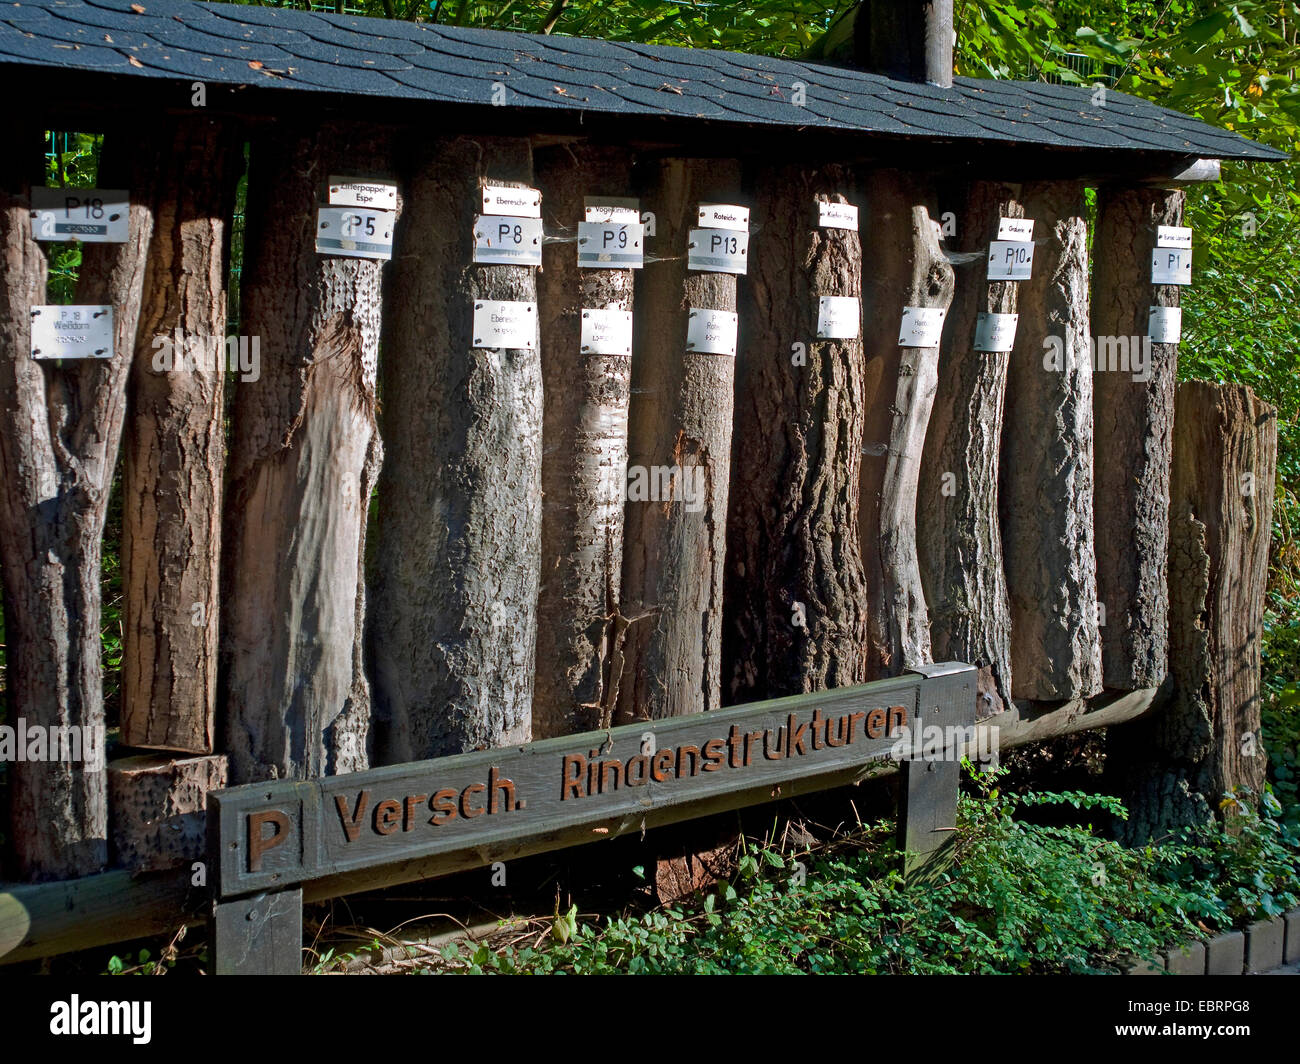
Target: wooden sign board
(282, 834)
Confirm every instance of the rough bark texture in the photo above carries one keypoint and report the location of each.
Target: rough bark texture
(908, 269)
(60, 428)
(1046, 475)
(1133, 425)
(1175, 769)
(671, 615)
(175, 450)
(584, 457)
(304, 458)
(459, 537)
(160, 809)
(960, 541)
(795, 611)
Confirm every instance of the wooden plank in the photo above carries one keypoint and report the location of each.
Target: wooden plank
(261, 935)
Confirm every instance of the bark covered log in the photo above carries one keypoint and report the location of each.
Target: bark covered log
(304, 458)
(680, 419)
(584, 458)
(60, 429)
(174, 451)
(159, 809)
(1047, 462)
(459, 535)
(960, 542)
(795, 610)
(908, 270)
(1133, 417)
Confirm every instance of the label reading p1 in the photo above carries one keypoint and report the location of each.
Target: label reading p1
(1171, 266)
(500, 239)
(717, 251)
(363, 192)
(515, 202)
(1165, 325)
(501, 324)
(1010, 260)
(1174, 236)
(921, 327)
(611, 245)
(90, 215)
(354, 232)
(606, 332)
(995, 333)
(72, 332)
(711, 332)
(837, 215)
(838, 317)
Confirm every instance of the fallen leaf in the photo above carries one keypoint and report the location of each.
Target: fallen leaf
(108, 38)
(255, 64)
(134, 61)
(600, 831)
(665, 87)
(138, 8)
(562, 92)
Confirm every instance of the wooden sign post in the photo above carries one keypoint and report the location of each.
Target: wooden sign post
(274, 843)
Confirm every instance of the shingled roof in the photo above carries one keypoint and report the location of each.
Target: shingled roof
(286, 50)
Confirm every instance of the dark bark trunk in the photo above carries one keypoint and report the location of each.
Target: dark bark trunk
(795, 610)
(459, 537)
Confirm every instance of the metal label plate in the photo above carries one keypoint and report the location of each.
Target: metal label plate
(373, 193)
(921, 326)
(72, 332)
(606, 332)
(837, 215)
(1010, 260)
(838, 317)
(611, 245)
(995, 332)
(724, 216)
(503, 324)
(1018, 229)
(717, 251)
(616, 209)
(711, 332)
(88, 215)
(355, 232)
(515, 202)
(1174, 236)
(1171, 266)
(502, 240)
(1165, 325)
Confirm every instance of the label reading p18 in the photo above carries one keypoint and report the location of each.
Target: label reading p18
(72, 332)
(90, 215)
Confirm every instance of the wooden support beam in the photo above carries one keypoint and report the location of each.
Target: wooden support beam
(261, 935)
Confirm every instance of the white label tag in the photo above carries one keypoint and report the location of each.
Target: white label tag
(611, 245)
(1010, 260)
(995, 332)
(611, 209)
(838, 317)
(72, 332)
(1165, 325)
(724, 216)
(90, 215)
(354, 232)
(516, 202)
(500, 239)
(1016, 229)
(921, 327)
(1171, 266)
(711, 332)
(1174, 236)
(717, 251)
(837, 215)
(502, 324)
(363, 192)
(606, 332)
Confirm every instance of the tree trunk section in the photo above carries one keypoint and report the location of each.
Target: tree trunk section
(160, 809)
(175, 450)
(1047, 471)
(1175, 770)
(305, 454)
(1133, 424)
(584, 460)
(960, 542)
(795, 610)
(459, 537)
(909, 270)
(60, 429)
(680, 417)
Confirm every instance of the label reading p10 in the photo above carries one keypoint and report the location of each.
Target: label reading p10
(500, 239)
(1010, 260)
(354, 232)
(1171, 266)
(611, 245)
(717, 251)
(90, 215)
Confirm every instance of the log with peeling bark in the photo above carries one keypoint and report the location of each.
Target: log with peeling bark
(459, 536)
(908, 269)
(795, 609)
(669, 633)
(960, 541)
(304, 457)
(60, 428)
(174, 449)
(159, 808)
(1045, 493)
(1175, 770)
(584, 456)
(1133, 418)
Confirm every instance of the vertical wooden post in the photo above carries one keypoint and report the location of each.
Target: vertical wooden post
(795, 613)
(261, 935)
(584, 457)
(1133, 415)
(960, 542)
(908, 270)
(459, 537)
(680, 418)
(175, 448)
(1047, 462)
(304, 457)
